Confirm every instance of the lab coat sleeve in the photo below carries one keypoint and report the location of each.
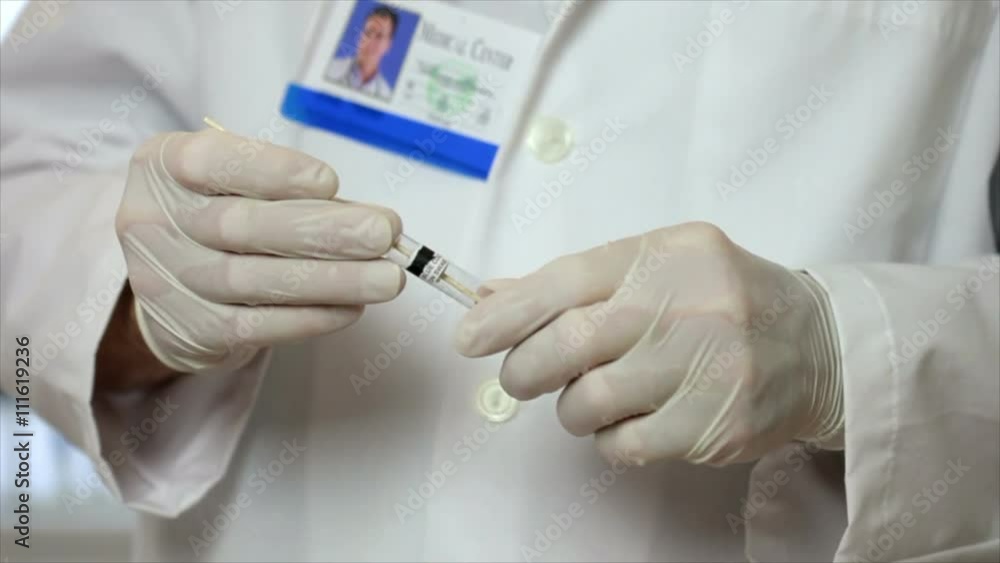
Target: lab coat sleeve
(83, 83)
(920, 347)
(921, 353)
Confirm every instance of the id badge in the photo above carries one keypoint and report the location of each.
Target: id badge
(421, 78)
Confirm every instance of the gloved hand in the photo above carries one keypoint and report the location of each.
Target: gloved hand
(232, 245)
(689, 347)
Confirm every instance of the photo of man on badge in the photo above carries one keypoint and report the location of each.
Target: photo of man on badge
(361, 70)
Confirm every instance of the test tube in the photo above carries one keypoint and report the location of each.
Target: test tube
(434, 269)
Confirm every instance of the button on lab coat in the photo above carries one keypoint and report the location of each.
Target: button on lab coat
(851, 139)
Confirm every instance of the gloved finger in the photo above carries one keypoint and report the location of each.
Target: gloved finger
(204, 333)
(673, 351)
(221, 328)
(397, 223)
(573, 343)
(254, 280)
(304, 228)
(211, 162)
(696, 364)
(512, 314)
(680, 430)
(273, 324)
(489, 287)
(613, 392)
(250, 279)
(647, 438)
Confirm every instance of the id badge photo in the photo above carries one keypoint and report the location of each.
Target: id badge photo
(420, 78)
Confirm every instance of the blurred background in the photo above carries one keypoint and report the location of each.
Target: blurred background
(73, 517)
(9, 9)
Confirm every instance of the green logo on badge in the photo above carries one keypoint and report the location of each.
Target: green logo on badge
(451, 88)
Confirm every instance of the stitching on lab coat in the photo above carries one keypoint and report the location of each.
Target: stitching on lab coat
(890, 335)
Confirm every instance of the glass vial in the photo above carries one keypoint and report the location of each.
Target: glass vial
(435, 270)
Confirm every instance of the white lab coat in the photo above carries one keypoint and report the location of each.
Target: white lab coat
(225, 466)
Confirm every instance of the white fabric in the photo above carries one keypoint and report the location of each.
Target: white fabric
(869, 96)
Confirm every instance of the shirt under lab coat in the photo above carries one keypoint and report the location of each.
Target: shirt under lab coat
(288, 458)
(345, 71)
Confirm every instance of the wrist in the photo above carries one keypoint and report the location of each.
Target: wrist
(124, 360)
(824, 397)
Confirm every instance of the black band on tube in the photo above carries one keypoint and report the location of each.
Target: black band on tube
(424, 255)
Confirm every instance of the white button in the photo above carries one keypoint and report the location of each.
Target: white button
(550, 139)
(494, 403)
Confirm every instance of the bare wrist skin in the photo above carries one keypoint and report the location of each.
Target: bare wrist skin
(124, 361)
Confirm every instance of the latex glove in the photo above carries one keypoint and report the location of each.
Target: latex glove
(232, 245)
(689, 347)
